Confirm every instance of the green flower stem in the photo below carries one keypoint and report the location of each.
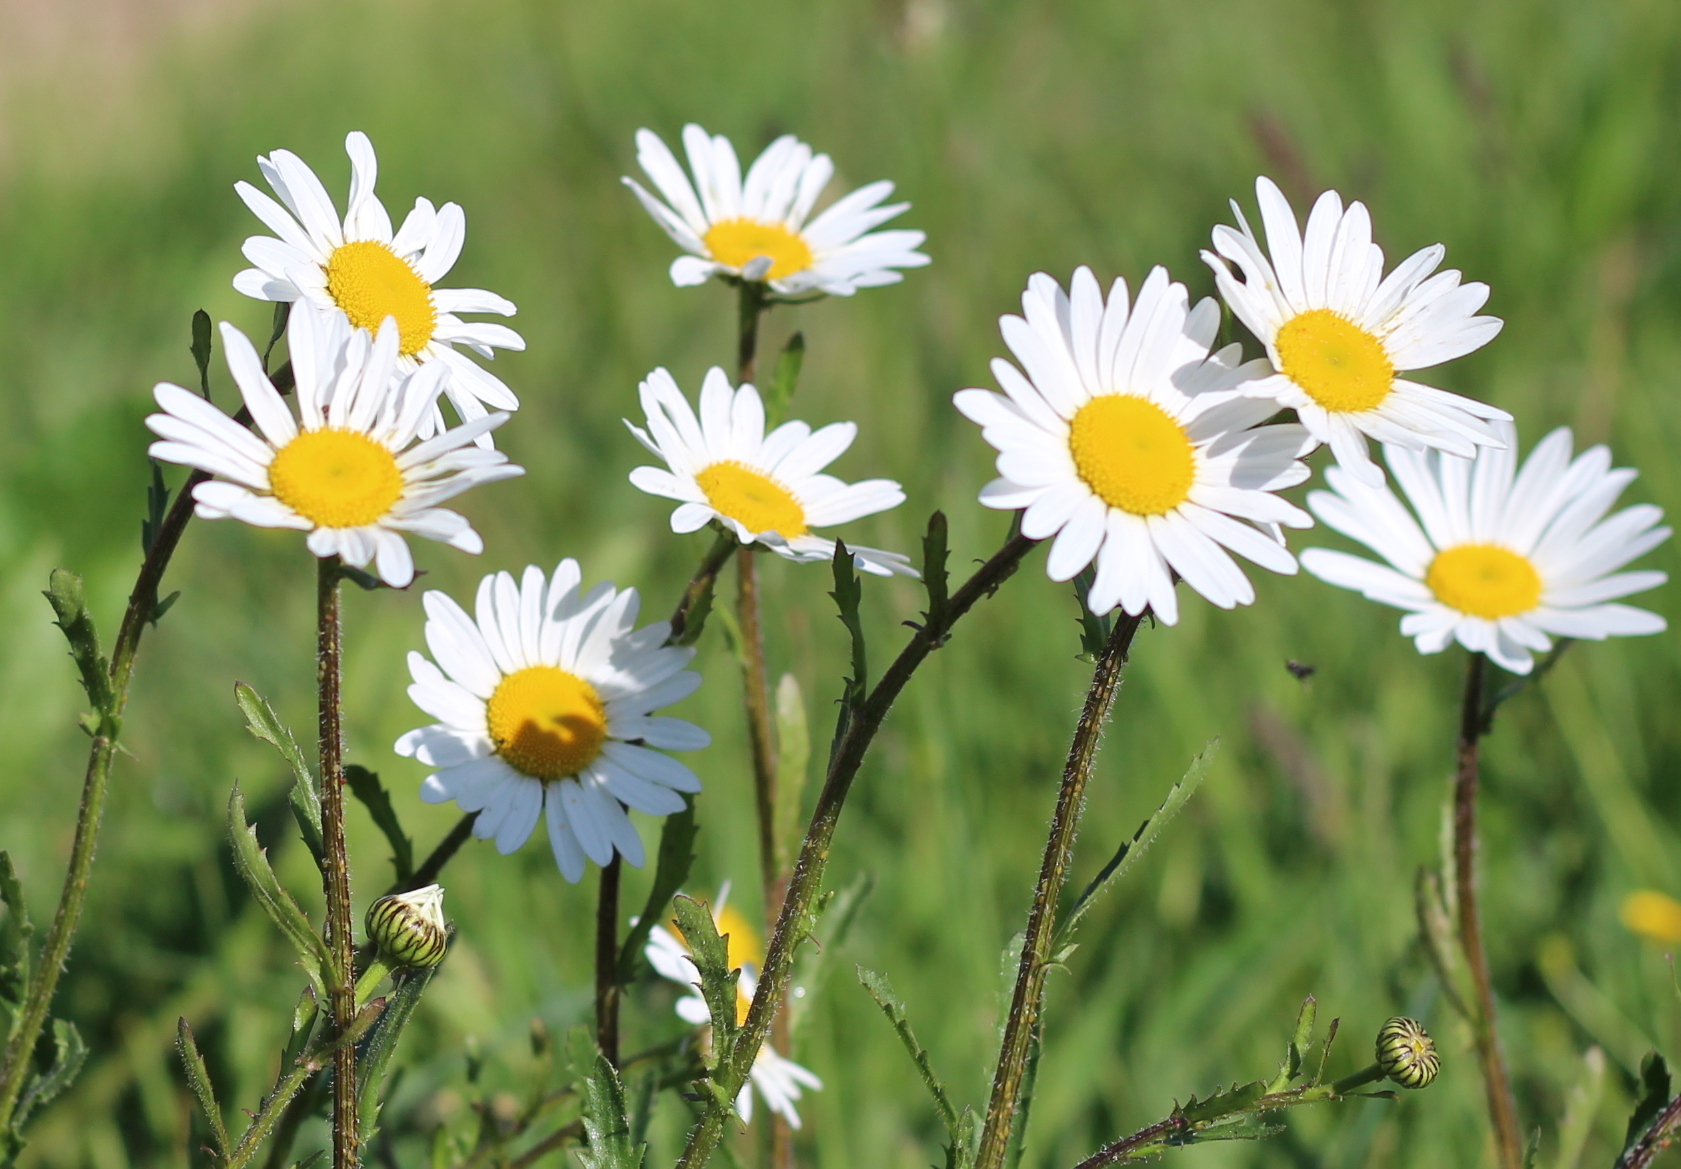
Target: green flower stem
(55, 952)
(794, 921)
(607, 961)
(370, 980)
(1473, 724)
(341, 972)
(1053, 872)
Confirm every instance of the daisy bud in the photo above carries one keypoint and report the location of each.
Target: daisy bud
(409, 928)
(1406, 1053)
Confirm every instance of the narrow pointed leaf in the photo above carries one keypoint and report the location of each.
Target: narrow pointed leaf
(52, 1075)
(198, 1079)
(882, 992)
(305, 796)
(365, 786)
(251, 859)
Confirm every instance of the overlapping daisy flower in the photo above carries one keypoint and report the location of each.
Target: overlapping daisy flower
(1135, 448)
(1340, 334)
(1499, 558)
(768, 489)
(349, 469)
(778, 1079)
(756, 229)
(359, 266)
(546, 704)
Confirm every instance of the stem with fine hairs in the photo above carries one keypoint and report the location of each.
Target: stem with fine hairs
(336, 861)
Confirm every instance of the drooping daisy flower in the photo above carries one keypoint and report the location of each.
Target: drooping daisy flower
(347, 470)
(1340, 334)
(547, 702)
(766, 488)
(1506, 558)
(360, 267)
(1135, 448)
(757, 229)
(778, 1078)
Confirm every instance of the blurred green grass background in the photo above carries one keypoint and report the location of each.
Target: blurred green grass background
(1536, 138)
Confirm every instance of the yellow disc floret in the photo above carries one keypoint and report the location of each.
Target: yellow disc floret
(754, 500)
(1484, 580)
(336, 478)
(738, 242)
(1340, 365)
(371, 282)
(1132, 454)
(546, 722)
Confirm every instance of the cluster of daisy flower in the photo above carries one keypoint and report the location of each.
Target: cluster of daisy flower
(1145, 454)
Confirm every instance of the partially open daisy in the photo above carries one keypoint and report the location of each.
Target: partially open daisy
(360, 267)
(757, 229)
(767, 489)
(547, 703)
(347, 469)
(1135, 448)
(1340, 333)
(778, 1078)
(1500, 558)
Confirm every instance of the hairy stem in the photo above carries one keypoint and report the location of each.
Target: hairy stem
(794, 920)
(55, 952)
(607, 961)
(1053, 872)
(1502, 1112)
(1655, 1139)
(340, 939)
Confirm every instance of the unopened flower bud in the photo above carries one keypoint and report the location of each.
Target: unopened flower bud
(1406, 1053)
(409, 928)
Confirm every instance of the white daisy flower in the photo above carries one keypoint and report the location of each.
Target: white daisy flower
(778, 1078)
(757, 229)
(1339, 333)
(1135, 448)
(347, 470)
(766, 488)
(360, 267)
(1507, 558)
(547, 702)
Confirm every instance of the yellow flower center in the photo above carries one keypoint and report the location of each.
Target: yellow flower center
(1653, 915)
(336, 478)
(1132, 454)
(546, 723)
(738, 242)
(370, 282)
(1340, 365)
(755, 501)
(1484, 580)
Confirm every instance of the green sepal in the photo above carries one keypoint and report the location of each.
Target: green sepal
(251, 859)
(64, 593)
(671, 869)
(55, 1065)
(305, 796)
(365, 786)
(785, 380)
(893, 1007)
(198, 1079)
(717, 981)
(608, 1140)
(16, 930)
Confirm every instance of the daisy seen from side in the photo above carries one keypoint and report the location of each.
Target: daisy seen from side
(778, 1079)
(768, 489)
(1121, 436)
(1340, 334)
(1498, 557)
(546, 702)
(350, 468)
(757, 228)
(357, 265)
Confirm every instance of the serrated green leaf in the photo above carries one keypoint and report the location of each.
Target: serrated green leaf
(1129, 852)
(64, 593)
(1654, 1095)
(894, 1008)
(365, 786)
(936, 578)
(1291, 1066)
(1221, 1104)
(1094, 630)
(373, 1063)
(305, 797)
(251, 859)
(198, 1079)
(717, 980)
(52, 1074)
(848, 595)
(609, 1144)
(677, 856)
(793, 762)
(16, 932)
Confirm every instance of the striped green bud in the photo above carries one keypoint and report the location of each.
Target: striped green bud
(1406, 1053)
(409, 928)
